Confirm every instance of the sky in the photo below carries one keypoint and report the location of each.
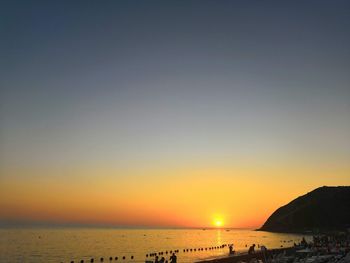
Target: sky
(170, 113)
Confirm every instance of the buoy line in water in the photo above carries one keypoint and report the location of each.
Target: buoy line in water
(153, 254)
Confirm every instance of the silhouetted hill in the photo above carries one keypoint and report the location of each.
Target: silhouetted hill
(323, 209)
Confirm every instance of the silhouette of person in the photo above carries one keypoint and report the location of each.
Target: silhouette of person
(231, 249)
(156, 260)
(264, 252)
(173, 258)
(162, 260)
(251, 249)
(303, 242)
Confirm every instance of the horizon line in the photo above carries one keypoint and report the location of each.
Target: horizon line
(4, 225)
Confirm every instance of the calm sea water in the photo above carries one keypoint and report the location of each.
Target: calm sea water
(64, 245)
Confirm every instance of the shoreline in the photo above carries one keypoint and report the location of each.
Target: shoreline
(323, 249)
(247, 257)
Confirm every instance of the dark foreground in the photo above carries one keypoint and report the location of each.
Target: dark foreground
(323, 249)
(258, 256)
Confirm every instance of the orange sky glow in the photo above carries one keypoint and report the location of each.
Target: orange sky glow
(183, 197)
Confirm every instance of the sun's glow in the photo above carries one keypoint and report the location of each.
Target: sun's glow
(218, 222)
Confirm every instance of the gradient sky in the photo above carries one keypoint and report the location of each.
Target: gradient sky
(170, 113)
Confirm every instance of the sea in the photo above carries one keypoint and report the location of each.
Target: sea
(39, 245)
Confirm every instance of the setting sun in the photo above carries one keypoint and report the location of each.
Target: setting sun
(218, 222)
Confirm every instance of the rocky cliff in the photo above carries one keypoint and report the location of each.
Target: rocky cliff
(323, 209)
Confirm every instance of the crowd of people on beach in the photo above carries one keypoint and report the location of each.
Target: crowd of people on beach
(327, 248)
(322, 249)
(331, 243)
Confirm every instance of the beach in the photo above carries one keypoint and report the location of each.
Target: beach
(324, 248)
